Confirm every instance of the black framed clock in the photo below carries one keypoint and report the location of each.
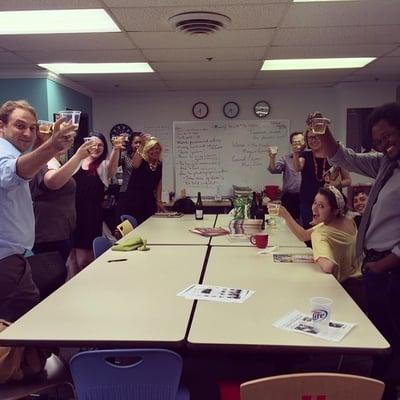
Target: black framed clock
(262, 109)
(231, 109)
(121, 129)
(200, 110)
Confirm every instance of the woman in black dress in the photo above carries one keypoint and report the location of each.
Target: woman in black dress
(143, 195)
(91, 179)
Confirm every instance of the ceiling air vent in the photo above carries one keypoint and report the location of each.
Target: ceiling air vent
(199, 22)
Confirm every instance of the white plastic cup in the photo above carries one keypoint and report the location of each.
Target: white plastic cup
(273, 149)
(321, 309)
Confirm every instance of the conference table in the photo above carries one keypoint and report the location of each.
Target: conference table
(117, 304)
(134, 302)
(279, 289)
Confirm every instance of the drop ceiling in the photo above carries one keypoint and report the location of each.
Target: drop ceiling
(227, 60)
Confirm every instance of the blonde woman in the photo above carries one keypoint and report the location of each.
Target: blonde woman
(143, 195)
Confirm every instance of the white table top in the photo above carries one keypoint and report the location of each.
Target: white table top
(279, 236)
(118, 303)
(174, 231)
(279, 289)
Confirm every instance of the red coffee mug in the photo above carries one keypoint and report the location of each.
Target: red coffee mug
(259, 240)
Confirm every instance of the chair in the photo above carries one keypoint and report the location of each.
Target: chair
(123, 229)
(100, 245)
(312, 386)
(131, 219)
(144, 374)
(57, 375)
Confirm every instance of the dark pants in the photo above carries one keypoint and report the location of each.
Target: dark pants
(18, 292)
(61, 246)
(291, 201)
(383, 306)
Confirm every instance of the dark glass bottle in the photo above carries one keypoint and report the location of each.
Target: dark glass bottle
(199, 207)
(260, 213)
(253, 206)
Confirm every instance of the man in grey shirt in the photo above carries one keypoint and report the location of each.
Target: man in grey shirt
(291, 178)
(379, 233)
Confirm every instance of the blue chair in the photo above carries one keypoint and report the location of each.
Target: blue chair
(100, 245)
(140, 374)
(131, 219)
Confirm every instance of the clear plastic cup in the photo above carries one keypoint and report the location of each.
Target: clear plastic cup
(70, 116)
(273, 209)
(273, 149)
(321, 310)
(318, 125)
(45, 127)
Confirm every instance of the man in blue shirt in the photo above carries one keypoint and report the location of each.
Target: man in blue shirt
(291, 178)
(18, 125)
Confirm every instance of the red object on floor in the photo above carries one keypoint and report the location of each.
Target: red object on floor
(272, 191)
(229, 390)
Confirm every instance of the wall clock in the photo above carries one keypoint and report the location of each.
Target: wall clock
(231, 109)
(262, 109)
(200, 110)
(121, 129)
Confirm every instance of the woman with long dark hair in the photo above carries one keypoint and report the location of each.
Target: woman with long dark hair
(92, 178)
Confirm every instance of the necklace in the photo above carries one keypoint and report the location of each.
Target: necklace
(321, 179)
(153, 165)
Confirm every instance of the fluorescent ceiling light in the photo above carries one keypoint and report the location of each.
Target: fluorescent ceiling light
(315, 63)
(56, 21)
(97, 68)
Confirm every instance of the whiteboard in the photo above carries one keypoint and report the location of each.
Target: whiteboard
(211, 156)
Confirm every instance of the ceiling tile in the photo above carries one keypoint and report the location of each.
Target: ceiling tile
(202, 75)
(361, 50)
(50, 56)
(169, 40)
(48, 4)
(207, 66)
(217, 54)
(11, 58)
(79, 41)
(303, 76)
(350, 13)
(389, 34)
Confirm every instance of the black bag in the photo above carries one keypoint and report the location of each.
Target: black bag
(185, 206)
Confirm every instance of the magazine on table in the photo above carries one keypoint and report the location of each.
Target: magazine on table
(216, 293)
(293, 258)
(296, 321)
(210, 231)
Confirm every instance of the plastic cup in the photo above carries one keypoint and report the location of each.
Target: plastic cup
(318, 125)
(273, 209)
(321, 309)
(70, 116)
(45, 126)
(259, 240)
(273, 149)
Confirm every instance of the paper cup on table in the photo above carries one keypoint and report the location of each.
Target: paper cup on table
(259, 240)
(321, 309)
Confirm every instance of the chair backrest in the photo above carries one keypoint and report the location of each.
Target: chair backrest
(100, 245)
(312, 386)
(145, 374)
(123, 229)
(130, 218)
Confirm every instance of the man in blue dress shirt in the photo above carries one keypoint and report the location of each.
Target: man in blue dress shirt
(18, 125)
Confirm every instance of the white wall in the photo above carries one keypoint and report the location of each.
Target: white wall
(160, 109)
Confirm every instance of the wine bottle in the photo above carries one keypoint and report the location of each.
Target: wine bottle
(254, 206)
(260, 213)
(199, 207)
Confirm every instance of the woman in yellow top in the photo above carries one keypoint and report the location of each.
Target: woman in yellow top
(333, 235)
